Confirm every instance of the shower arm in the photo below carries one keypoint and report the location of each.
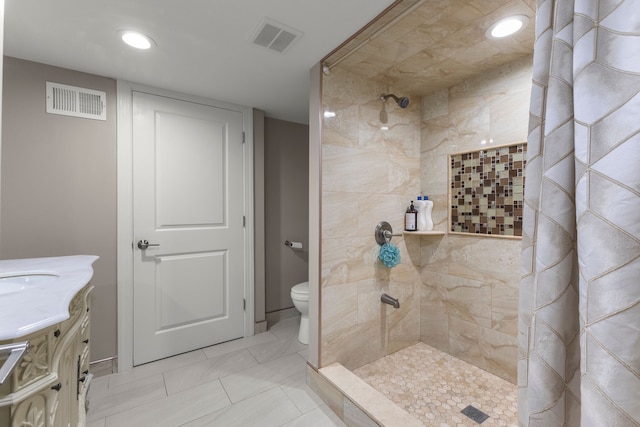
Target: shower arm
(403, 102)
(390, 95)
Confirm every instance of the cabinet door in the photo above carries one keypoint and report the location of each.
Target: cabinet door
(33, 411)
(83, 352)
(66, 410)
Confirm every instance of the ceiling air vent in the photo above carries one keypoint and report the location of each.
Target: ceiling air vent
(76, 101)
(274, 36)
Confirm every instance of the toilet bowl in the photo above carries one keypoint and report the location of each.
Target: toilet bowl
(300, 297)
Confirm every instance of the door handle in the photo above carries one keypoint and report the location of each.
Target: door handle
(144, 244)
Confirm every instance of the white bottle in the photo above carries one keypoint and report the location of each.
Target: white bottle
(427, 213)
(421, 206)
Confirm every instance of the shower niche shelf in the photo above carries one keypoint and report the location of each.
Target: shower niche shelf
(423, 233)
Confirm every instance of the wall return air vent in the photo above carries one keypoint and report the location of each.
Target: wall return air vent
(274, 36)
(76, 101)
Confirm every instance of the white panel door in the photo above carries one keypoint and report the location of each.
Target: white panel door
(188, 197)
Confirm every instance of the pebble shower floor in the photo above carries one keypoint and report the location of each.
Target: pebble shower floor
(435, 387)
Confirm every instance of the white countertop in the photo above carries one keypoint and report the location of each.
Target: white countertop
(38, 305)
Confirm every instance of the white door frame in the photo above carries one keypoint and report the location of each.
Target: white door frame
(125, 212)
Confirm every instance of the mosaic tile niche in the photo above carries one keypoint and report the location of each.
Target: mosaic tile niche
(487, 191)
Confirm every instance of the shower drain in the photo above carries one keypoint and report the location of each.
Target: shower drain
(475, 414)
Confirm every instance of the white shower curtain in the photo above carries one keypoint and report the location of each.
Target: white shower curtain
(579, 326)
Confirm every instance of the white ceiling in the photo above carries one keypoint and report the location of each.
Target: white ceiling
(203, 46)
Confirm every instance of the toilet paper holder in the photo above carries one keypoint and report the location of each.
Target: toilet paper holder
(293, 245)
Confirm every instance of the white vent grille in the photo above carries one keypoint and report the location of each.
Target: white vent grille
(274, 36)
(76, 101)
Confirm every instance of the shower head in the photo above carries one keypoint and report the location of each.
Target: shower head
(402, 102)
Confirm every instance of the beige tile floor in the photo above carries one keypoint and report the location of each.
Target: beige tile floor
(255, 381)
(260, 381)
(434, 387)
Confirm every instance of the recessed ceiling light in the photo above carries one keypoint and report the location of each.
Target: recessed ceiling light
(507, 26)
(137, 40)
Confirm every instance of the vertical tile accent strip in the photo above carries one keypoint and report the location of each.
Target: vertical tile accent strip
(487, 190)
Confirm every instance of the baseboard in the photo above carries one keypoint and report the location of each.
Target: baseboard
(276, 316)
(260, 327)
(102, 367)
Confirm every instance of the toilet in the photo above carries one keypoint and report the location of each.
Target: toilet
(300, 297)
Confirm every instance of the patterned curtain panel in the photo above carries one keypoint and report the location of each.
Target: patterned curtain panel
(579, 327)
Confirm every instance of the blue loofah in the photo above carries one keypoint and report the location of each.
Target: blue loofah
(389, 255)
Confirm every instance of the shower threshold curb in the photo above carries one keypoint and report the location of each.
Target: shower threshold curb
(373, 403)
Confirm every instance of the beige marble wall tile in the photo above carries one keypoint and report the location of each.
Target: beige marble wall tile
(500, 354)
(339, 307)
(466, 299)
(484, 258)
(470, 284)
(351, 170)
(515, 74)
(347, 260)
(434, 321)
(504, 307)
(368, 176)
(439, 44)
(403, 323)
(352, 259)
(401, 286)
(413, 249)
(345, 85)
(471, 120)
(403, 136)
(356, 346)
(435, 105)
(327, 391)
(440, 73)
(509, 115)
(381, 329)
(459, 293)
(343, 128)
(403, 174)
(464, 341)
(369, 307)
(340, 215)
(392, 330)
(435, 167)
(376, 207)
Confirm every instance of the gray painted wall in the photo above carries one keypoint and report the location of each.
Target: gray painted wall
(58, 191)
(58, 194)
(286, 209)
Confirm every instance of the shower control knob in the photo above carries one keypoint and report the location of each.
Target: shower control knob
(144, 244)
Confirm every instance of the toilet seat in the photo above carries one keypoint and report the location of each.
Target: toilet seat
(300, 291)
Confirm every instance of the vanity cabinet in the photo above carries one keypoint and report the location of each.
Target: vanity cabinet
(48, 386)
